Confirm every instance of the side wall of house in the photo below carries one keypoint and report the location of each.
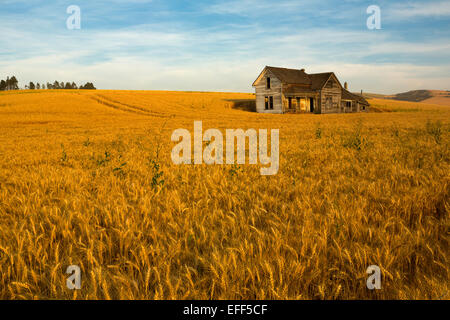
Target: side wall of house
(363, 107)
(330, 97)
(262, 92)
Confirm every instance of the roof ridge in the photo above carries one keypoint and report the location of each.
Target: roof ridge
(322, 72)
(283, 68)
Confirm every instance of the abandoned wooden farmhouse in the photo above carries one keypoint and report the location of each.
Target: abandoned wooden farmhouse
(281, 90)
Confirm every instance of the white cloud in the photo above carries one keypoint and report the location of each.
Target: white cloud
(251, 7)
(391, 78)
(217, 74)
(217, 58)
(422, 9)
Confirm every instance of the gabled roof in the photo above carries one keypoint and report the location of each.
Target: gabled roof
(314, 81)
(347, 95)
(318, 80)
(290, 76)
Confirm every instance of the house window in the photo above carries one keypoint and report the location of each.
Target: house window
(268, 83)
(269, 103)
(328, 102)
(290, 102)
(349, 104)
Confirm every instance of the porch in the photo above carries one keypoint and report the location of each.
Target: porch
(299, 103)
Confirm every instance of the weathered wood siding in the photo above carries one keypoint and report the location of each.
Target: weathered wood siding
(362, 107)
(330, 97)
(274, 91)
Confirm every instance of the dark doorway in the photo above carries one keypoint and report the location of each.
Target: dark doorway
(311, 101)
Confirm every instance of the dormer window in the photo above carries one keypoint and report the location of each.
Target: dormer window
(268, 83)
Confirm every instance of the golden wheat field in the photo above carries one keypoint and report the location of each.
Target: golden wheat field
(86, 179)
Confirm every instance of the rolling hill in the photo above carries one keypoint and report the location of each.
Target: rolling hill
(438, 97)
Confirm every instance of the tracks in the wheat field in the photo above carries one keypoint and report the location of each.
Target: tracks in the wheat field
(126, 107)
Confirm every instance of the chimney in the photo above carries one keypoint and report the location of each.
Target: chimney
(346, 86)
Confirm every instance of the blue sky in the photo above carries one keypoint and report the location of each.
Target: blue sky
(223, 45)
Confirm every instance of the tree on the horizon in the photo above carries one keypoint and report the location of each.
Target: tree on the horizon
(31, 86)
(88, 86)
(9, 84)
(14, 83)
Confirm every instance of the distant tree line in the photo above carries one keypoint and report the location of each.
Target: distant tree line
(13, 84)
(9, 84)
(60, 85)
